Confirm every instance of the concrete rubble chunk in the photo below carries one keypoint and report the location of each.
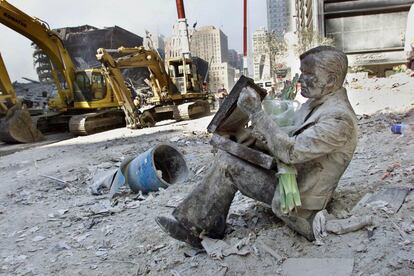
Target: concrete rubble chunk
(38, 238)
(361, 203)
(394, 197)
(343, 226)
(316, 266)
(218, 249)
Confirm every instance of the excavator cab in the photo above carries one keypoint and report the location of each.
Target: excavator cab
(183, 74)
(90, 86)
(91, 91)
(98, 87)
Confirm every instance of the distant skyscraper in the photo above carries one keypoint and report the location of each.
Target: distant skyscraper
(280, 16)
(210, 44)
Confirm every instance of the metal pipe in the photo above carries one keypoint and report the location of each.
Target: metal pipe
(244, 28)
(180, 9)
(245, 61)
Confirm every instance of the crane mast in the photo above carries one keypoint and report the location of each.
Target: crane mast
(183, 29)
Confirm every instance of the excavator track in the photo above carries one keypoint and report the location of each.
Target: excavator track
(193, 110)
(51, 122)
(91, 123)
(147, 118)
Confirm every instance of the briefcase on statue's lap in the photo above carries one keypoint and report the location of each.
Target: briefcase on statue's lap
(229, 120)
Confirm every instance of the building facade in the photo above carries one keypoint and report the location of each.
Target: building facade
(371, 33)
(262, 63)
(280, 16)
(235, 59)
(210, 44)
(221, 74)
(308, 14)
(82, 43)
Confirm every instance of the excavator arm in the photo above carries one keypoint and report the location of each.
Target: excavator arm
(115, 79)
(134, 58)
(40, 33)
(140, 57)
(166, 94)
(7, 95)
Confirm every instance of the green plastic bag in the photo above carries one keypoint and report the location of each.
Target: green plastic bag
(288, 188)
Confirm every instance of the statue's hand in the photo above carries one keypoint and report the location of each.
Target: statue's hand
(244, 136)
(249, 101)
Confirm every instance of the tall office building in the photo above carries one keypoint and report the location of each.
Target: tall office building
(210, 44)
(280, 16)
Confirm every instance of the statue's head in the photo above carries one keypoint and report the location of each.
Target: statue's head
(323, 70)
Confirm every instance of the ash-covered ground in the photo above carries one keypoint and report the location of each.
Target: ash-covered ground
(57, 227)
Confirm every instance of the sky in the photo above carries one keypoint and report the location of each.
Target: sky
(133, 15)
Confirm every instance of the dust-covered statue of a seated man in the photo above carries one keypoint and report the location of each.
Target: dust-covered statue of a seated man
(320, 147)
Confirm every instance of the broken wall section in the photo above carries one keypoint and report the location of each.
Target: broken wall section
(82, 43)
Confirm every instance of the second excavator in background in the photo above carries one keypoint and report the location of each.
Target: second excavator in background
(176, 94)
(176, 87)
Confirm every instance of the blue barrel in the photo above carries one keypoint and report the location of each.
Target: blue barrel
(156, 168)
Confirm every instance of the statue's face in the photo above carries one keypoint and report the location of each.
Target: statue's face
(314, 81)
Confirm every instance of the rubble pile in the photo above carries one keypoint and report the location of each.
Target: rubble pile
(82, 43)
(34, 93)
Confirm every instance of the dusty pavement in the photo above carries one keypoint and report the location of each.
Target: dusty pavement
(48, 227)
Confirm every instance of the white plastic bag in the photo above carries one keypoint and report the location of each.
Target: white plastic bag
(281, 111)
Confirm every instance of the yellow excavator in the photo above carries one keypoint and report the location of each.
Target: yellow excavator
(176, 87)
(84, 103)
(16, 125)
(174, 95)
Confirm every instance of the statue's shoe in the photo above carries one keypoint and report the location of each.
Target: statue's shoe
(178, 231)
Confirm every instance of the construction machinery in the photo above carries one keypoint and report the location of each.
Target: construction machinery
(16, 125)
(176, 94)
(176, 88)
(84, 103)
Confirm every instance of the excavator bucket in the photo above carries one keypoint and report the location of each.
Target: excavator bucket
(17, 127)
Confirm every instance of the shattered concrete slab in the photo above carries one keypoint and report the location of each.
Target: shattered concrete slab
(391, 198)
(316, 266)
(218, 249)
